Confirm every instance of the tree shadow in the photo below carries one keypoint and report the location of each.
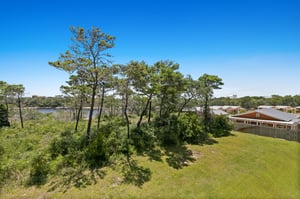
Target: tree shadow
(135, 174)
(37, 180)
(211, 141)
(179, 156)
(154, 154)
(79, 178)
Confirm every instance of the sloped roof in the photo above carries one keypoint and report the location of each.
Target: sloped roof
(232, 107)
(277, 114)
(272, 113)
(281, 106)
(218, 112)
(201, 109)
(224, 107)
(264, 106)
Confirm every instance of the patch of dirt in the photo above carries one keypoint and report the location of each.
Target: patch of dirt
(196, 155)
(116, 181)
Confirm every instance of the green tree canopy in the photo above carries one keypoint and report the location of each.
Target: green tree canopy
(208, 83)
(87, 57)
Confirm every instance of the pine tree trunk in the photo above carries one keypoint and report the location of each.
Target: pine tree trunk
(20, 111)
(101, 107)
(182, 107)
(144, 111)
(206, 114)
(149, 113)
(125, 111)
(88, 131)
(78, 114)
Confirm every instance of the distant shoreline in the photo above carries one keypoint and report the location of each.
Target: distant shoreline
(52, 107)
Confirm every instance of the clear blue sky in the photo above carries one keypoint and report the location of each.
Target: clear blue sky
(253, 45)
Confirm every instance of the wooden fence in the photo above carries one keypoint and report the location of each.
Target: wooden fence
(287, 134)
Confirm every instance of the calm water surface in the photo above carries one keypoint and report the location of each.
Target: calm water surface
(54, 110)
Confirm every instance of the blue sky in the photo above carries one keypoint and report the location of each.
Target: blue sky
(253, 45)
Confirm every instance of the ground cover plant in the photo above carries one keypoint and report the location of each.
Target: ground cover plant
(47, 160)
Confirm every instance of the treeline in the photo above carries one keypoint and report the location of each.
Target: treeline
(150, 91)
(245, 102)
(146, 106)
(155, 94)
(43, 102)
(253, 102)
(10, 94)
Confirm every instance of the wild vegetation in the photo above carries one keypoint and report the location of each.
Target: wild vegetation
(149, 100)
(141, 114)
(241, 165)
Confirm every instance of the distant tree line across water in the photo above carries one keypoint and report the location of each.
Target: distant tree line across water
(252, 102)
(245, 102)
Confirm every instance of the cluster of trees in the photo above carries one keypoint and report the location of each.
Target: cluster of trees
(253, 102)
(159, 89)
(249, 102)
(10, 94)
(43, 101)
(150, 101)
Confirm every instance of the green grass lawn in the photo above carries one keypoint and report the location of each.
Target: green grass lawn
(238, 166)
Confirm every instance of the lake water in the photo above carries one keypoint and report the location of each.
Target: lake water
(54, 110)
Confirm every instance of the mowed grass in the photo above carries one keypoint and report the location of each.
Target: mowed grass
(238, 166)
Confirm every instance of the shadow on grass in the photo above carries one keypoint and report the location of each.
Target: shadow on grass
(37, 179)
(211, 141)
(135, 174)
(232, 134)
(79, 178)
(154, 154)
(178, 156)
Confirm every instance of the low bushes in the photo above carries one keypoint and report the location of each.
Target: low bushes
(220, 126)
(191, 129)
(3, 116)
(173, 131)
(166, 130)
(143, 138)
(39, 170)
(96, 153)
(47, 147)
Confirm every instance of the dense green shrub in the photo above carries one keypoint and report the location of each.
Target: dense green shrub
(39, 170)
(3, 116)
(1, 165)
(143, 137)
(1, 152)
(188, 128)
(63, 144)
(67, 150)
(115, 136)
(96, 152)
(220, 126)
(113, 124)
(166, 130)
(191, 129)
